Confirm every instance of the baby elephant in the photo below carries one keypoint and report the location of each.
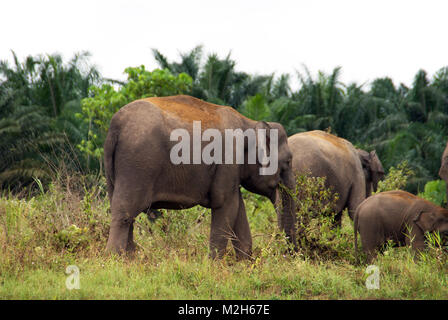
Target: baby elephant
(398, 216)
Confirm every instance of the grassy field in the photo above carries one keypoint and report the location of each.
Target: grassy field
(42, 235)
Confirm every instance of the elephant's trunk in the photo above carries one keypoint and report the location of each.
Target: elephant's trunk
(375, 180)
(288, 219)
(369, 186)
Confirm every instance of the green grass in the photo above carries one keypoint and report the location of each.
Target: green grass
(40, 236)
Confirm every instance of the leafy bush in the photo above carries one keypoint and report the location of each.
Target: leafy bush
(435, 191)
(317, 235)
(396, 179)
(72, 237)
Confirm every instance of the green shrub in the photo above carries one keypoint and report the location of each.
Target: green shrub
(318, 236)
(396, 178)
(435, 191)
(73, 237)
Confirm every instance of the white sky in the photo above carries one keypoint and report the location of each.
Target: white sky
(369, 39)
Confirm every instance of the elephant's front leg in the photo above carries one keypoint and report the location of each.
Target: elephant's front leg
(224, 221)
(131, 246)
(242, 242)
(417, 241)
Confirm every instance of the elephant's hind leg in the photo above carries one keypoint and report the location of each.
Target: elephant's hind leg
(371, 241)
(124, 208)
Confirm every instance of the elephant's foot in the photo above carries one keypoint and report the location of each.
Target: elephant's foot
(217, 249)
(117, 245)
(371, 256)
(243, 255)
(243, 248)
(113, 249)
(131, 248)
(120, 235)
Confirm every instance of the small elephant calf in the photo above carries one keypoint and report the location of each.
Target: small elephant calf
(398, 216)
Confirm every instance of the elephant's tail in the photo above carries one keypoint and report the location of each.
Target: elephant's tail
(355, 228)
(109, 156)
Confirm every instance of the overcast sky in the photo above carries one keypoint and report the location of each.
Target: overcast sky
(368, 39)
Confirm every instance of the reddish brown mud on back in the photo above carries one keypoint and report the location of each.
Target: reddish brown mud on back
(336, 141)
(189, 109)
(400, 194)
(409, 197)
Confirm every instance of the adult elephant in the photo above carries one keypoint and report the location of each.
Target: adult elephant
(351, 173)
(443, 172)
(144, 172)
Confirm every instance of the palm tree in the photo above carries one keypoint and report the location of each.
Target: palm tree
(406, 124)
(190, 62)
(38, 101)
(316, 105)
(216, 80)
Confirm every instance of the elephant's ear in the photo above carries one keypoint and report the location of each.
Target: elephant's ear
(364, 156)
(263, 125)
(425, 220)
(375, 163)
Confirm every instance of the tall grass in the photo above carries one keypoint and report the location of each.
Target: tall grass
(67, 224)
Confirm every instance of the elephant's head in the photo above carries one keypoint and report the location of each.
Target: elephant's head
(277, 177)
(435, 219)
(373, 169)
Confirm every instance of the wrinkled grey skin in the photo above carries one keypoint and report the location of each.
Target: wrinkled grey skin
(350, 172)
(141, 177)
(398, 216)
(443, 172)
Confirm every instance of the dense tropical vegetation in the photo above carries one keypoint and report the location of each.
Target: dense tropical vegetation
(52, 110)
(39, 99)
(54, 210)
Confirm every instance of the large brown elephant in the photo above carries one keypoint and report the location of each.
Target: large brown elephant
(443, 172)
(141, 174)
(398, 216)
(351, 173)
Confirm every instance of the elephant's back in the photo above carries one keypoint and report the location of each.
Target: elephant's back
(180, 111)
(188, 109)
(401, 197)
(387, 203)
(320, 150)
(327, 140)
